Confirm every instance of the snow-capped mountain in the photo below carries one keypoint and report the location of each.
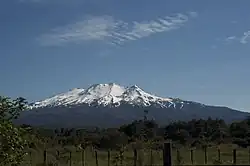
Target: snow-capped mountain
(111, 94)
(109, 105)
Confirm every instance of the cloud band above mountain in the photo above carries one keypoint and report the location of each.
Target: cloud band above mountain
(112, 31)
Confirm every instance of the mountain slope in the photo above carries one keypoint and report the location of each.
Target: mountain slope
(110, 105)
(106, 95)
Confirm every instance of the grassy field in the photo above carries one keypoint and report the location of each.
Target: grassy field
(144, 157)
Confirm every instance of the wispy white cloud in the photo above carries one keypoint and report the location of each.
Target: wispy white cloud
(193, 14)
(112, 31)
(230, 39)
(243, 39)
(91, 28)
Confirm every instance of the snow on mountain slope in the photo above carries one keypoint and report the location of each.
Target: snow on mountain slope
(102, 93)
(61, 99)
(107, 95)
(134, 95)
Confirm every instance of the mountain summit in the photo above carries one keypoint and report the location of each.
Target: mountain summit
(109, 105)
(111, 94)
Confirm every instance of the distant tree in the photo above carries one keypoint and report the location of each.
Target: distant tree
(248, 120)
(12, 138)
(132, 130)
(241, 142)
(239, 129)
(113, 139)
(177, 131)
(145, 115)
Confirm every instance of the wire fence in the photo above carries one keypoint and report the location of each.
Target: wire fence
(167, 156)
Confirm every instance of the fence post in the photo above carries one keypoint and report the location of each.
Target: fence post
(151, 158)
(30, 157)
(219, 154)
(178, 157)
(234, 156)
(205, 154)
(108, 157)
(192, 156)
(44, 157)
(167, 152)
(249, 155)
(83, 157)
(70, 158)
(58, 153)
(96, 158)
(135, 157)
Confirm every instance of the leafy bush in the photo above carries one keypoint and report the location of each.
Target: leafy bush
(12, 138)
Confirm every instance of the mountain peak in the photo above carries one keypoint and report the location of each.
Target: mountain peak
(100, 90)
(108, 94)
(135, 87)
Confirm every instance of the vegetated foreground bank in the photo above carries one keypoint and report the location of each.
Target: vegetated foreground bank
(210, 141)
(68, 145)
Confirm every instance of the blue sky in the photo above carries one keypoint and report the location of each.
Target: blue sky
(194, 50)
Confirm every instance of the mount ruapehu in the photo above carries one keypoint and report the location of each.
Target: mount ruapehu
(109, 105)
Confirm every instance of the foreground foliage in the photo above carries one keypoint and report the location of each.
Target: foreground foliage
(12, 140)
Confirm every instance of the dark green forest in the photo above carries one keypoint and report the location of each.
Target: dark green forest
(196, 132)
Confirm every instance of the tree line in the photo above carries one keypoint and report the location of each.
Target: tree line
(191, 133)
